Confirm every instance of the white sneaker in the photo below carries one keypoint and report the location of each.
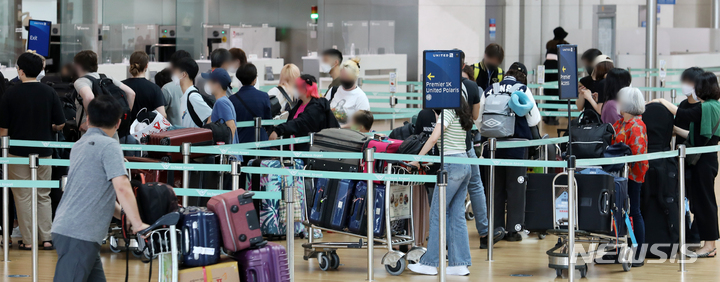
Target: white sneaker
(16, 233)
(422, 269)
(460, 270)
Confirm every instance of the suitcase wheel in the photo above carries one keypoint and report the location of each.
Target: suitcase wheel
(234, 209)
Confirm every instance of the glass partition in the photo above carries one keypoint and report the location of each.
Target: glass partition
(190, 31)
(355, 35)
(382, 37)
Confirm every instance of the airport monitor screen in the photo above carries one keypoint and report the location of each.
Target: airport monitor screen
(39, 37)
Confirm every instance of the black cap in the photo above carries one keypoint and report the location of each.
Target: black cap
(559, 33)
(519, 66)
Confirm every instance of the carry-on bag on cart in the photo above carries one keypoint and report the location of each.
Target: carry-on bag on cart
(195, 136)
(357, 222)
(340, 207)
(325, 190)
(273, 212)
(381, 145)
(266, 264)
(238, 218)
(595, 201)
(619, 200)
(151, 175)
(200, 237)
(541, 202)
(339, 140)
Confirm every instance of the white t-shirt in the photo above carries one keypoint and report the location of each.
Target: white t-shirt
(201, 108)
(346, 103)
(275, 92)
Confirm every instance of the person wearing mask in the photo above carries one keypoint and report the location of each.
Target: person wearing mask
(362, 121)
(311, 114)
(86, 66)
(456, 124)
(249, 103)
(172, 93)
(551, 63)
(285, 91)
(704, 131)
(219, 58)
(219, 81)
(615, 80)
(349, 98)
(587, 59)
(31, 111)
(238, 59)
(510, 182)
(631, 130)
(587, 99)
(331, 60)
(195, 110)
(488, 71)
(147, 94)
(687, 80)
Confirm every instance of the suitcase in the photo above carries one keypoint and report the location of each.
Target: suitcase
(266, 264)
(196, 136)
(339, 140)
(152, 175)
(319, 201)
(540, 204)
(273, 213)
(381, 146)
(238, 218)
(619, 200)
(200, 240)
(340, 210)
(357, 222)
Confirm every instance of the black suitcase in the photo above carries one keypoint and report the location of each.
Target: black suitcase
(540, 202)
(339, 140)
(330, 191)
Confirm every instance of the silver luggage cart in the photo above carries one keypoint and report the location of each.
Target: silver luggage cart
(400, 244)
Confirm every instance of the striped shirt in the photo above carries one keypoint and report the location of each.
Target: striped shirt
(454, 134)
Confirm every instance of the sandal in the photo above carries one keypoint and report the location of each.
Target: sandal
(710, 254)
(23, 246)
(52, 246)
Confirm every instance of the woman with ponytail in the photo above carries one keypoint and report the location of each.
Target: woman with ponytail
(456, 124)
(310, 114)
(147, 94)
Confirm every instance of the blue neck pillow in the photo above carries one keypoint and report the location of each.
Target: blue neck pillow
(520, 103)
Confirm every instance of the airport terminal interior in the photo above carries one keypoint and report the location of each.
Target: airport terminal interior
(567, 134)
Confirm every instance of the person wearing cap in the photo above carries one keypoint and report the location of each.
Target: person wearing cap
(551, 63)
(510, 181)
(311, 114)
(218, 81)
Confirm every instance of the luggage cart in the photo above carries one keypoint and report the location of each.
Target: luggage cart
(394, 260)
(558, 257)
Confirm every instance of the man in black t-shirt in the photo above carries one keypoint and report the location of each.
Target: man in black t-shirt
(31, 111)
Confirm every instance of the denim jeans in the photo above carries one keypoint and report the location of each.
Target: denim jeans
(634, 192)
(477, 196)
(456, 225)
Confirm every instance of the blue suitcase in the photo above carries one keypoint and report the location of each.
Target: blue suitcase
(200, 240)
(317, 210)
(357, 222)
(340, 210)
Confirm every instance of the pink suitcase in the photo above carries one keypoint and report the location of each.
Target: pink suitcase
(267, 264)
(239, 221)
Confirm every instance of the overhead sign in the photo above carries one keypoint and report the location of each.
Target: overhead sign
(441, 79)
(39, 37)
(567, 71)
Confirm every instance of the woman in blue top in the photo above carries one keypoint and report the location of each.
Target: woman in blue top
(457, 123)
(219, 81)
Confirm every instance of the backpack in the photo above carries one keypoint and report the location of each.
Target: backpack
(332, 92)
(413, 144)
(403, 132)
(276, 108)
(191, 109)
(71, 130)
(498, 120)
(220, 131)
(105, 86)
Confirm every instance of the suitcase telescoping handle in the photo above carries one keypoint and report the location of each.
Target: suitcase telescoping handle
(605, 203)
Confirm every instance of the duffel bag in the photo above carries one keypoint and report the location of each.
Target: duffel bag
(590, 139)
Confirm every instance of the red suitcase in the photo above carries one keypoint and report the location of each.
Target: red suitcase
(149, 175)
(196, 136)
(267, 264)
(239, 221)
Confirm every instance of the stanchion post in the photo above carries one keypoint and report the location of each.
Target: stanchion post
(290, 228)
(258, 126)
(370, 210)
(235, 173)
(442, 223)
(647, 84)
(491, 200)
(393, 102)
(673, 95)
(311, 232)
(34, 177)
(174, 253)
(185, 151)
(6, 201)
(571, 218)
(63, 183)
(681, 185)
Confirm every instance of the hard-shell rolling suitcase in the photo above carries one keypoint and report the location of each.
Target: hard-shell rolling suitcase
(196, 136)
(321, 203)
(339, 140)
(200, 240)
(358, 223)
(238, 218)
(150, 174)
(273, 212)
(596, 198)
(266, 264)
(381, 145)
(541, 202)
(356, 217)
(340, 210)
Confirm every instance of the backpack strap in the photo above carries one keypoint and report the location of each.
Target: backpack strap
(496, 88)
(516, 87)
(246, 106)
(333, 90)
(191, 110)
(287, 97)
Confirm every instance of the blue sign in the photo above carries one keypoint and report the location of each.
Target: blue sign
(39, 37)
(567, 71)
(666, 2)
(441, 79)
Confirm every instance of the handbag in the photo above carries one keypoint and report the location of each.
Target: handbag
(694, 158)
(590, 139)
(613, 151)
(221, 132)
(148, 123)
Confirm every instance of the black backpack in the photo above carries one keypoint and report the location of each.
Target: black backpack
(413, 144)
(191, 109)
(221, 132)
(403, 132)
(105, 86)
